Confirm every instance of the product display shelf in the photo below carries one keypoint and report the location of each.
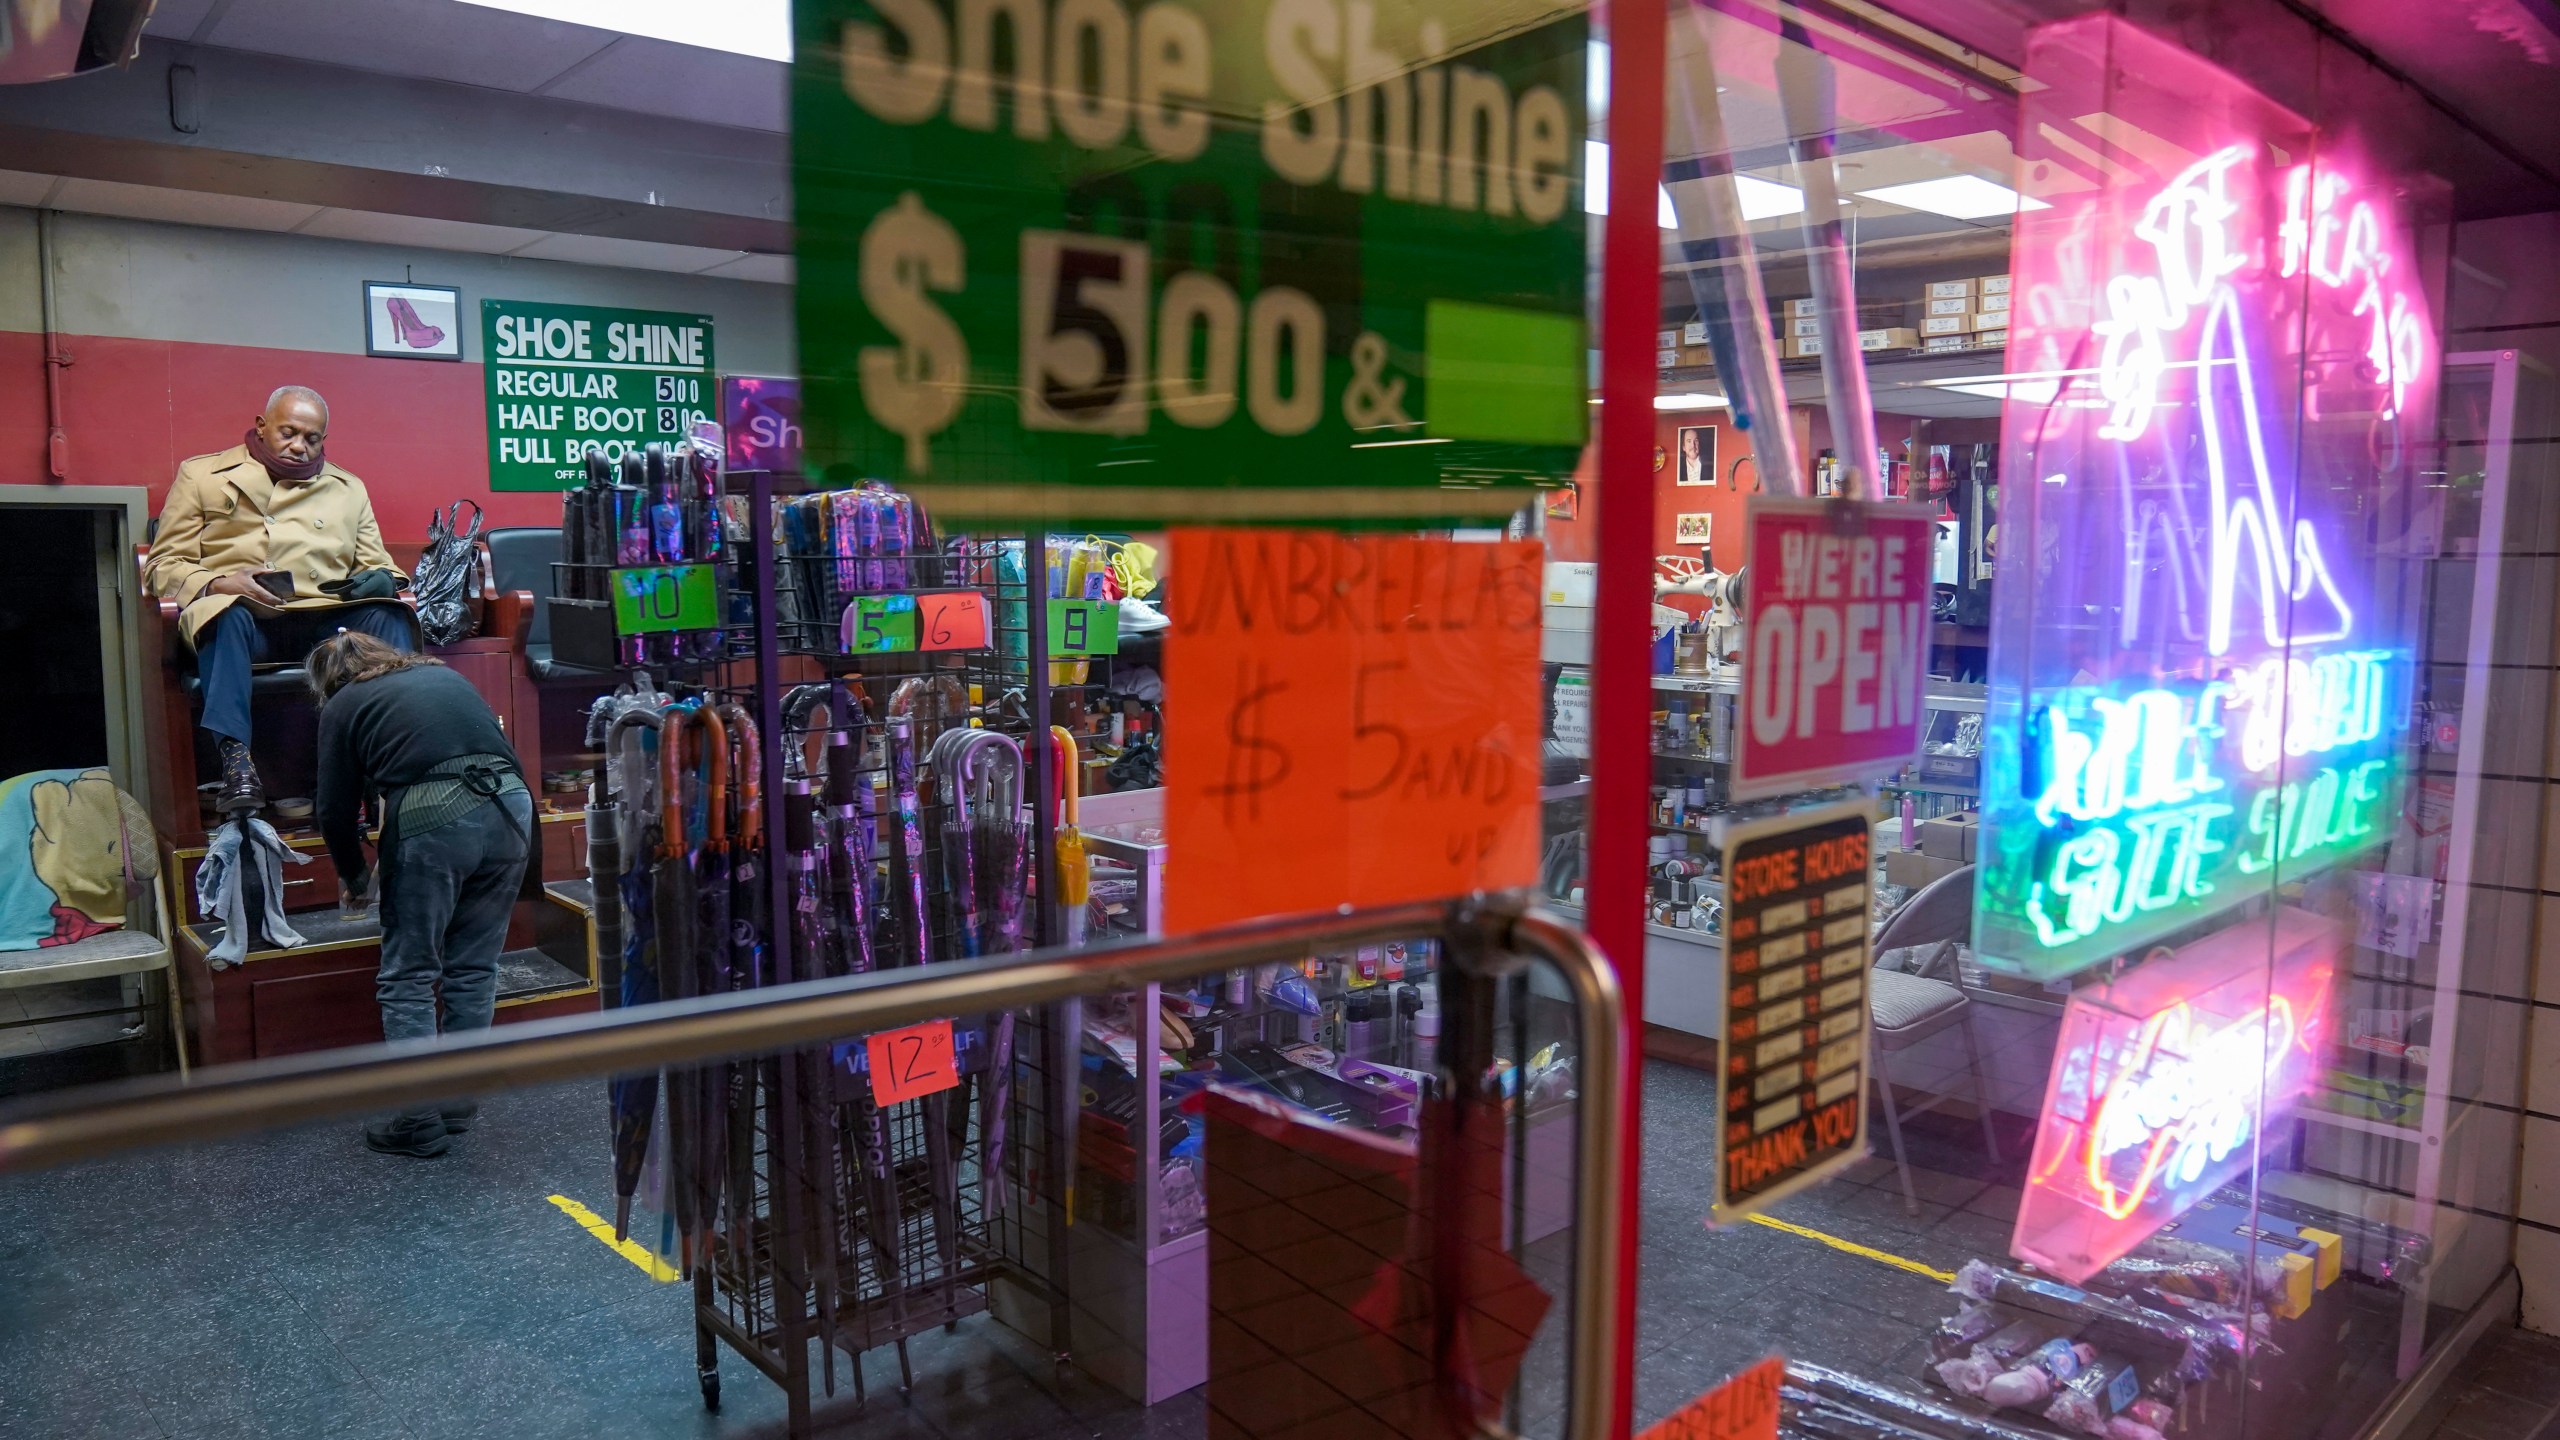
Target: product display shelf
(854, 1224)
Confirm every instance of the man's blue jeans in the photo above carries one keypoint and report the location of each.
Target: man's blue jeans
(239, 638)
(454, 887)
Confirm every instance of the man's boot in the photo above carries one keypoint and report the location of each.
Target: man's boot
(241, 792)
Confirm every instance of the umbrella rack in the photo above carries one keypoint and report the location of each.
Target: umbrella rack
(902, 792)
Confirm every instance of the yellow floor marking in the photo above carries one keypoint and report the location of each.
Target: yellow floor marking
(631, 1250)
(1851, 1247)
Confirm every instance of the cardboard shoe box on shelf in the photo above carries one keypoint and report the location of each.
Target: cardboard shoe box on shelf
(1888, 338)
(1951, 290)
(1950, 837)
(1915, 868)
(1991, 285)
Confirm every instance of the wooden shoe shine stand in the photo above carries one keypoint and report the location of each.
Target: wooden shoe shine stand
(321, 994)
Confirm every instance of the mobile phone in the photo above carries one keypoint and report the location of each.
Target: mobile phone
(278, 583)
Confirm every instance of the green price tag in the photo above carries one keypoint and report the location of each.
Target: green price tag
(1084, 627)
(879, 624)
(653, 599)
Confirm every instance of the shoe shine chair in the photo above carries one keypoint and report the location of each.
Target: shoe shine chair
(1908, 1008)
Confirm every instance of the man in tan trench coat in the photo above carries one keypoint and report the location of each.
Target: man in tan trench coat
(267, 545)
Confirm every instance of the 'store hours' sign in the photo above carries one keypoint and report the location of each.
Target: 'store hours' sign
(1836, 617)
(564, 378)
(1365, 722)
(1793, 1085)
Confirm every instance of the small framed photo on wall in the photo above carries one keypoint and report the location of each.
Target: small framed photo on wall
(412, 322)
(1694, 527)
(1697, 456)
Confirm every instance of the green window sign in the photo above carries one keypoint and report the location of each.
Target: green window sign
(1084, 627)
(1126, 262)
(562, 378)
(650, 599)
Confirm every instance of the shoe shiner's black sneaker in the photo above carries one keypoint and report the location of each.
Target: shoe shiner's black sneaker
(241, 790)
(420, 1137)
(459, 1115)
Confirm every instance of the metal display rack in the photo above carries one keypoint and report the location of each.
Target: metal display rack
(833, 1218)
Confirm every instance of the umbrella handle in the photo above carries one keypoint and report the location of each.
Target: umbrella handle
(671, 781)
(1062, 745)
(715, 786)
(747, 771)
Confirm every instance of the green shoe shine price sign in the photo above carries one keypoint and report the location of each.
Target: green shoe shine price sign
(562, 378)
(1125, 262)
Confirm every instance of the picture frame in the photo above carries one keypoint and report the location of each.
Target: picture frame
(1694, 527)
(1694, 457)
(405, 321)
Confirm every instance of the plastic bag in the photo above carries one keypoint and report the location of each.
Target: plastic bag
(445, 571)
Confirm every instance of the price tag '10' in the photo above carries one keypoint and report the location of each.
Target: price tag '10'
(911, 1062)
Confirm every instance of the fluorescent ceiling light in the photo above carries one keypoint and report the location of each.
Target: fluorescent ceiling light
(761, 28)
(2035, 389)
(1958, 197)
(1595, 186)
(1690, 402)
(1761, 199)
(1767, 199)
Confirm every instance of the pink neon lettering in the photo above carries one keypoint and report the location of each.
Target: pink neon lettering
(2185, 1098)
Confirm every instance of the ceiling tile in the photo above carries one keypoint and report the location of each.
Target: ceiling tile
(630, 254)
(432, 39)
(419, 231)
(771, 269)
(181, 207)
(17, 187)
(679, 81)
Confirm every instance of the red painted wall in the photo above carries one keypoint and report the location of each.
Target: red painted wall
(1574, 539)
(415, 431)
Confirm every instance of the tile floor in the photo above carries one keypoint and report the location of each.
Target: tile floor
(293, 1284)
(2508, 1390)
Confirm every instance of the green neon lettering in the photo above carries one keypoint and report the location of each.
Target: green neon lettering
(2201, 845)
(2262, 823)
(2311, 829)
(2365, 785)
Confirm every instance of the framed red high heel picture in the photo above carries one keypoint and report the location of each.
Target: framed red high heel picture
(412, 322)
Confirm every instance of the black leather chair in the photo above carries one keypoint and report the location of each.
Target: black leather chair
(520, 558)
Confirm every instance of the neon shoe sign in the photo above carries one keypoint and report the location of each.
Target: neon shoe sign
(2164, 1080)
(2197, 682)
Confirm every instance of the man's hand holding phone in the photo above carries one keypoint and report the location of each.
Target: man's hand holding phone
(255, 587)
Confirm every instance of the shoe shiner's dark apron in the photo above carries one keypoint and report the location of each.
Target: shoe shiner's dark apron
(452, 790)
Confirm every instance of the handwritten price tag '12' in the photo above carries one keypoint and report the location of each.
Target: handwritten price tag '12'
(911, 1062)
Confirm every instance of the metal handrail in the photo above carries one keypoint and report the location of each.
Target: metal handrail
(235, 1099)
